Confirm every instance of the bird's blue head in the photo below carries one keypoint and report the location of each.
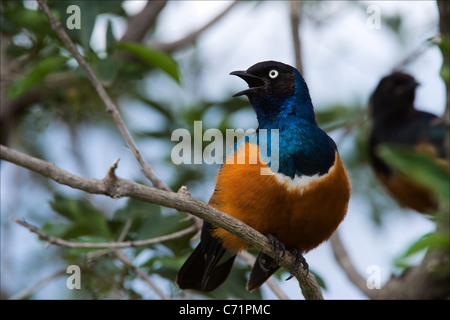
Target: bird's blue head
(281, 101)
(276, 90)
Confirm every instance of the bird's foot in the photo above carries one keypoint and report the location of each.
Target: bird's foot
(277, 246)
(299, 260)
(279, 250)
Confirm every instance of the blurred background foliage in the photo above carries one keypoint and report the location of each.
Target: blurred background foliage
(46, 88)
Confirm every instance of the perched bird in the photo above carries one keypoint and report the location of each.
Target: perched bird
(397, 122)
(298, 203)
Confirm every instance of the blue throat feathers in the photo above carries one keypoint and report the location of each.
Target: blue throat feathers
(312, 152)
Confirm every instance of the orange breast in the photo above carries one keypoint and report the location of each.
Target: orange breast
(299, 215)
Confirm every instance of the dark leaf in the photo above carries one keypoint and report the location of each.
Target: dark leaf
(32, 20)
(89, 11)
(152, 57)
(432, 240)
(86, 220)
(36, 75)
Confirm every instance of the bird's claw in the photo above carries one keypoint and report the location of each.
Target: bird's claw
(299, 259)
(277, 246)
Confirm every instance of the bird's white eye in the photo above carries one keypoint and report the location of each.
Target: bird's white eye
(273, 73)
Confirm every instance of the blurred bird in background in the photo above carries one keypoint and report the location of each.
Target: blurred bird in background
(397, 122)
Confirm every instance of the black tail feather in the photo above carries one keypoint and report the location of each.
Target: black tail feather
(263, 268)
(208, 266)
(201, 275)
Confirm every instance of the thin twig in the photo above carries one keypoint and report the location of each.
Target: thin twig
(125, 230)
(415, 283)
(139, 24)
(109, 104)
(27, 292)
(98, 245)
(344, 261)
(348, 128)
(122, 257)
(196, 220)
(295, 8)
(122, 236)
(191, 37)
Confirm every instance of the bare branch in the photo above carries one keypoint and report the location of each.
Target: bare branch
(420, 282)
(295, 15)
(122, 257)
(97, 245)
(109, 104)
(197, 221)
(417, 282)
(343, 259)
(29, 291)
(118, 187)
(139, 24)
(125, 229)
(190, 38)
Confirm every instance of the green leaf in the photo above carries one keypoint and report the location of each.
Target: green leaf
(432, 240)
(421, 168)
(445, 72)
(89, 11)
(336, 116)
(152, 57)
(57, 229)
(106, 70)
(137, 210)
(32, 20)
(320, 280)
(394, 22)
(36, 75)
(110, 39)
(149, 221)
(164, 110)
(164, 224)
(85, 219)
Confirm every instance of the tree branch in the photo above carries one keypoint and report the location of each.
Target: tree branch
(139, 24)
(179, 44)
(98, 245)
(29, 291)
(122, 257)
(418, 282)
(109, 104)
(295, 15)
(344, 261)
(116, 187)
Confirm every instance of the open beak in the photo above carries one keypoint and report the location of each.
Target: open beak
(254, 82)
